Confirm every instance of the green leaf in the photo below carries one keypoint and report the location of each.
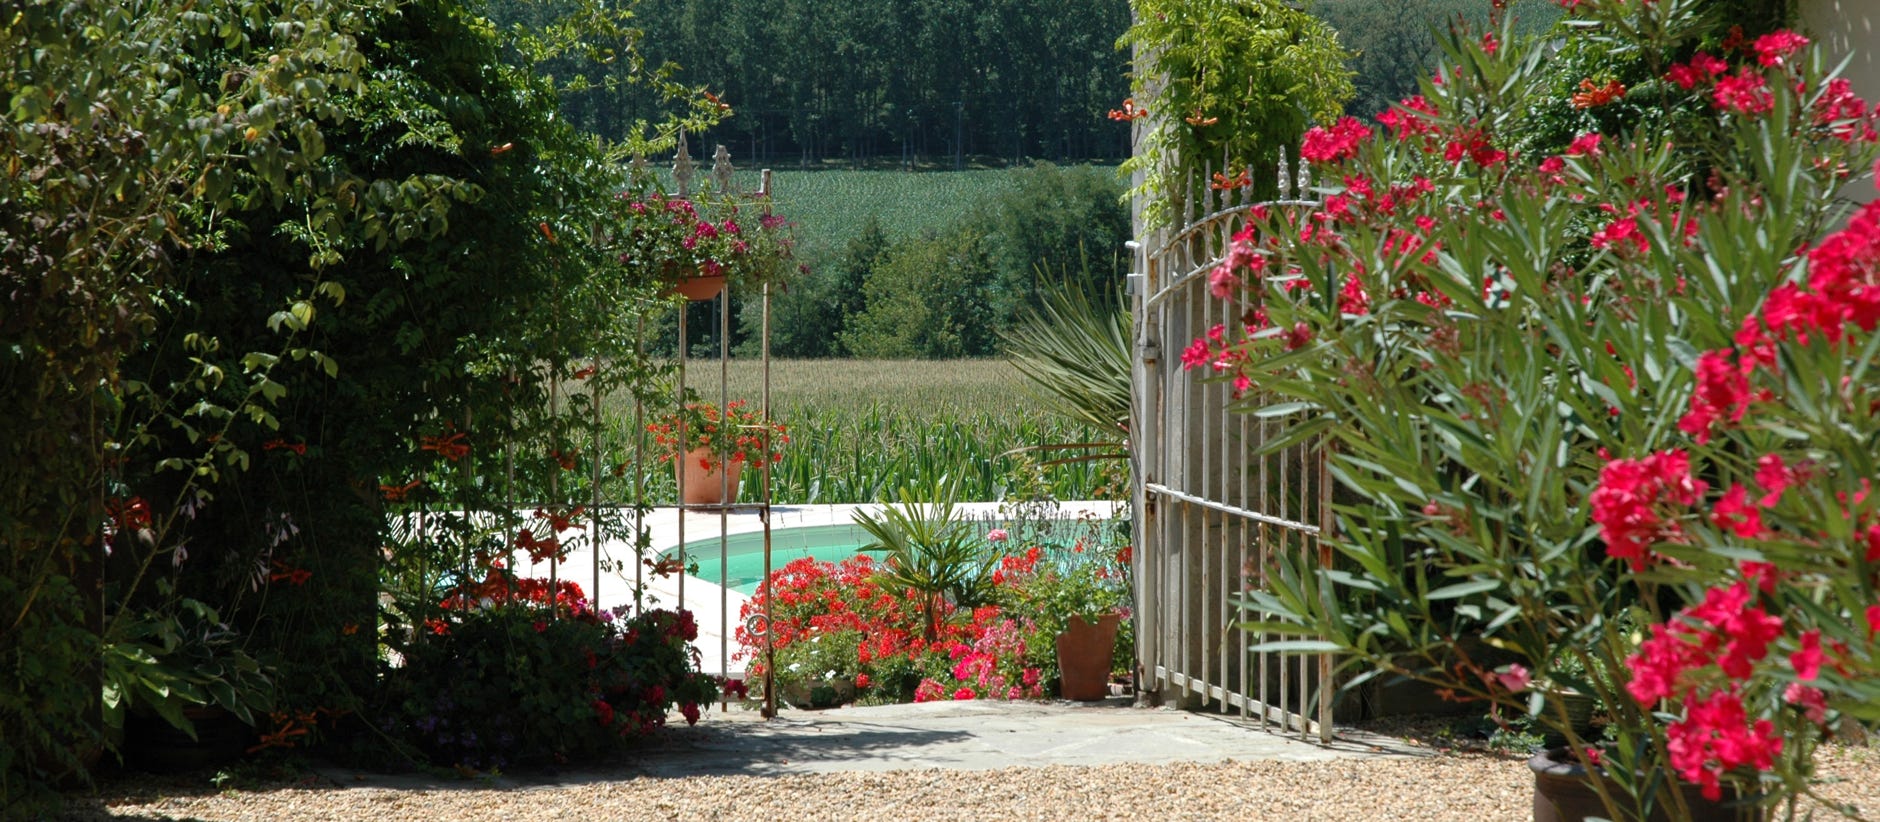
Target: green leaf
(1463, 589)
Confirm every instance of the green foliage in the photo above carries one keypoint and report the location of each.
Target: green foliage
(319, 247)
(48, 727)
(1075, 352)
(128, 139)
(832, 207)
(1651, 105)
(161, 662)
(1225, 82)
(818, 80)
(808, 318)
(1035, 225)
(1394, 43)
(1053, 223)
(864, 454)
(928, 299)
(515, 684)
(938, 293)
(929, 553)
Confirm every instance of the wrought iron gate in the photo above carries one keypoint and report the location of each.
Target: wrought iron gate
(1211, 513)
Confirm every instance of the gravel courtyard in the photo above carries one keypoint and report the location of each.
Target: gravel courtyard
(998, 767)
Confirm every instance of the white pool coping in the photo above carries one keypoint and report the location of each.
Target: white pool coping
(714, 607)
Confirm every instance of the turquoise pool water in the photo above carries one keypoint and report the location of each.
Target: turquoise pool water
(743, 562)
(744, 553)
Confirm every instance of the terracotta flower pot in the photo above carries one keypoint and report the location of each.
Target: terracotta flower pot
(700, 288)
(1563, 792)
(1083, 652)
(708, 486)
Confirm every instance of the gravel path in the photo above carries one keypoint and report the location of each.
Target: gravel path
(1451, 786)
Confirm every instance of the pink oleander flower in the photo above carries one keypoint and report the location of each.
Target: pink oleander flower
(1222, 282)
(1722, 394)
(1744, 93)
(1341, 141)
(1734, 513)
(1807, 659)
(1515, 678)
(1771, 48)
(1585, 145)
(1621, 233)
(1629, 501)
(1716, 736)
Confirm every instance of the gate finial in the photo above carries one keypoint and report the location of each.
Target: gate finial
(721, 171)
(682, 166)
(1285, 176)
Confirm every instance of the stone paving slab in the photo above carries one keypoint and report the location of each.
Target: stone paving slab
(978, 735)
(954, 736)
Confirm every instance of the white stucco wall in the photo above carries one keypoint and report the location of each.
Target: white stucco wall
(1845, 27)
(1848, 27)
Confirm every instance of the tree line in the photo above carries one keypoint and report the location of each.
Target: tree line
(947, 292)
(920, 82)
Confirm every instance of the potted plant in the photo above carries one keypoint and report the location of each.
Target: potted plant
(1077, 594)
(695, 246)
(929, 553)
(710, 447)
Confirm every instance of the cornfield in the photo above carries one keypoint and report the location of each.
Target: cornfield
(859, 430)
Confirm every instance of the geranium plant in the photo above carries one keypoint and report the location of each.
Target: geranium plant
(732, 434)
(1582, 389)
(667, 239)
(1052, 580)
(830, 618)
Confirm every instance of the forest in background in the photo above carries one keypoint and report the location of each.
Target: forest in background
(934, 85)
(943, 84)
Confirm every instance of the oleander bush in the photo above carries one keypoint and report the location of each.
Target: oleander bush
(1622, 382)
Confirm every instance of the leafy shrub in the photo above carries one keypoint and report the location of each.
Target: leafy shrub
(1503, 350)
(1233, 79)
(499, 680)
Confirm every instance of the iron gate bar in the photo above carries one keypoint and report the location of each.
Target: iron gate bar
(1234, 510)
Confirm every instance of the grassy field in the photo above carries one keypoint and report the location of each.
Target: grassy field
(830, 206)
(861, 429)
(950, 388)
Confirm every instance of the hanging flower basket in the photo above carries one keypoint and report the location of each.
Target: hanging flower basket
(701, 288)
(696, 248)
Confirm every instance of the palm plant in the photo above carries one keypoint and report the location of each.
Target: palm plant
(1074, 350)
(931, 552)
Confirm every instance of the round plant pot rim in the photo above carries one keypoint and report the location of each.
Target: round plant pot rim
(1556, 761)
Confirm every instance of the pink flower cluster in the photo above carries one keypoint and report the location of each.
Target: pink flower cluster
(976, 668)
(1341, 141)
(1634, 503)
(1748, 92)
(1732, 632)
(1843, 290)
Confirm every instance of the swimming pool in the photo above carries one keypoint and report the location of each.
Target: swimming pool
(744, 553)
